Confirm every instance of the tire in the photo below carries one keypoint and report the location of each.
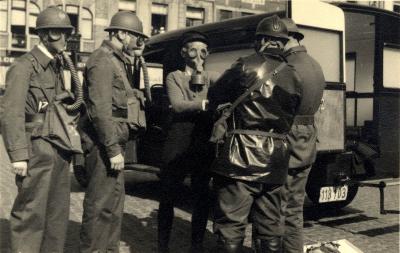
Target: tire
(81, 176)
(325, 171)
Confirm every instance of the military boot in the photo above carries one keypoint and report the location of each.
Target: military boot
(229, 247)
(271, 245)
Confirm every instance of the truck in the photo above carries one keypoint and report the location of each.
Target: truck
(358, 120)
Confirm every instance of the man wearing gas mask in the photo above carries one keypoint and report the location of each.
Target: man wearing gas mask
(115, 116)
(265, 93)
(186, 150)
(40, 213)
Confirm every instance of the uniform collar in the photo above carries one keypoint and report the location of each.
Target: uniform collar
(295, 50)
(45, 50)
(116, 51)
(41, 56)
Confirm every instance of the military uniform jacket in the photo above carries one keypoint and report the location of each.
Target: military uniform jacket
(106, 97)
(24, 98)
(303, 135)
(270, 108)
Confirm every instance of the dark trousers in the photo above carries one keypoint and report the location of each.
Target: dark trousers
(186, 152)
(103, 205)
(293, 193)
(39, 216)
(171, 184)
(236, 200)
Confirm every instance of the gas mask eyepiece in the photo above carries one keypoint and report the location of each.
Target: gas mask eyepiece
(56, 34)
(194, 52)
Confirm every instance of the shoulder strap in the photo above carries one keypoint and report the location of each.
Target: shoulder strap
(259, 82)
(38, 71)
(117, 65)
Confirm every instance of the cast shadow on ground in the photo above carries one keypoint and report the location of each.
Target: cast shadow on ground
(139, 235)
(5, 236)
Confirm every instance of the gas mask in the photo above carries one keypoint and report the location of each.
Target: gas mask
(55, 40)
(270, 46)
(194, 54)
(135, 46)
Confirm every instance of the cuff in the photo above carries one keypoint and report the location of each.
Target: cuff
(204, 105)
(19, 155)
(113, 150)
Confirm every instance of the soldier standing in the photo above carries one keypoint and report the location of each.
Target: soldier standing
(115, 115)
(39, 216)
(302, 138)
(253, 163)
(187, 150)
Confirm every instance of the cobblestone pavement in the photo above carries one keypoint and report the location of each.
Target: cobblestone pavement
(360, 222)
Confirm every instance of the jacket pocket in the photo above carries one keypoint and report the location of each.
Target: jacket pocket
(119, 98)
(39, 90)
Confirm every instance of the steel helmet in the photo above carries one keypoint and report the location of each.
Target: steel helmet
(53, 17)
(126, 21)
(292, 29)
(273, 27)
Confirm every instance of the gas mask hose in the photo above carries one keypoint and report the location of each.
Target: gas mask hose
(77, 88)
(146, 79)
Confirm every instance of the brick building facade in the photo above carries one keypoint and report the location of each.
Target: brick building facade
(90, 17)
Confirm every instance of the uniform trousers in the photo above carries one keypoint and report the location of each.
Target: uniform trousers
(171, 185)
(238, 200)
(103, 204)
(293, 193)
(39, 216)
(186, 152)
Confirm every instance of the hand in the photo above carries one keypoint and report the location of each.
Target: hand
(117, 162)
(20, 168)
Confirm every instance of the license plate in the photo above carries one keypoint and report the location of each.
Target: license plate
(331, 194)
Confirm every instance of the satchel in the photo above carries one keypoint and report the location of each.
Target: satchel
(135, 107)
(60, 127)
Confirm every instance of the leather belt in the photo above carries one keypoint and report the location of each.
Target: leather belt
(303, 120)
(259, 133)
(34, 118)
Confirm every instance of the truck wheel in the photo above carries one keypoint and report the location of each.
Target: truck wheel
(81, 176)
(313, 190)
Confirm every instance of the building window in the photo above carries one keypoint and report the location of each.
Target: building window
(73, 14)
(224, 14)
(158, 18)
(33, 14)
(194, 16)
(18, 23)
(396, 7)
(126, 5)
(377, 4)
(86, 26)
(3, 16)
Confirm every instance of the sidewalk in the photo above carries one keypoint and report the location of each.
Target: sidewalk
(360, 223)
